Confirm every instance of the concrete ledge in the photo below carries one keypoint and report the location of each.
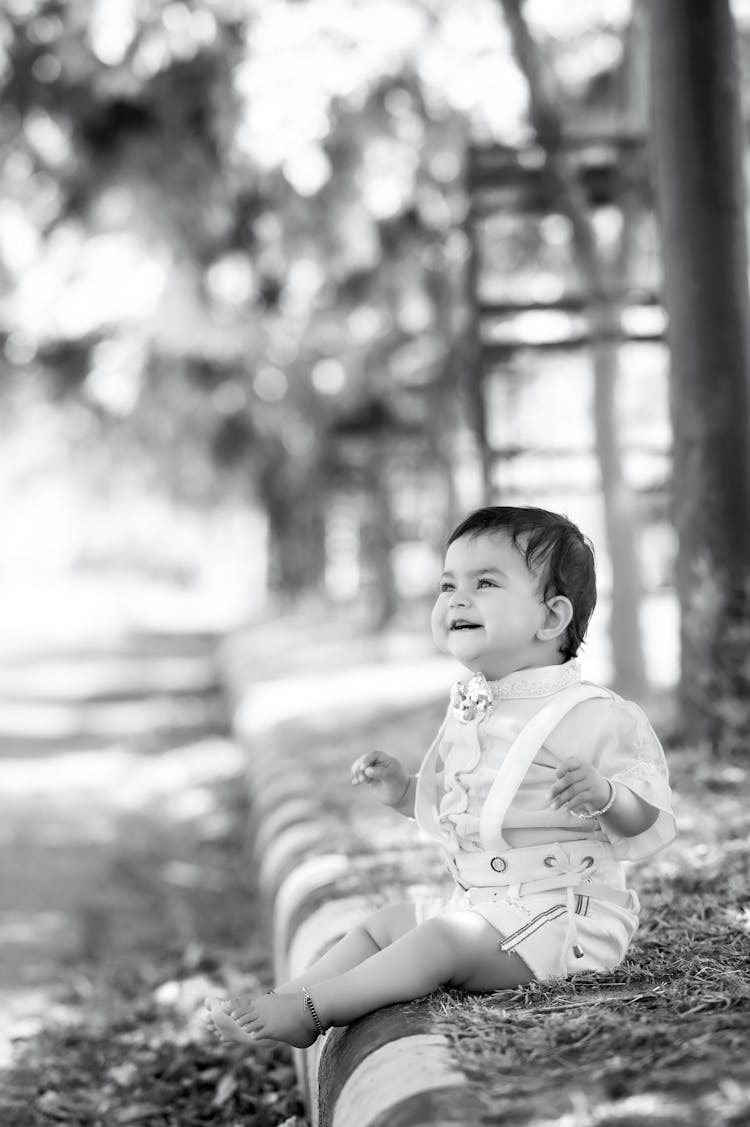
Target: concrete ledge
(321, 871)
(387, 1068)
(391, 1070)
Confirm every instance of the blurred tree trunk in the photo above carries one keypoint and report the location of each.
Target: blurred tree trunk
(619, 508)
(439, 434)
(471, 369)
(296, 524)
(698, 150)
(441, 412)
(380, 540)
(621, 524)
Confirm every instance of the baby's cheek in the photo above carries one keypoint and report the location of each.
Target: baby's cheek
(439, 628)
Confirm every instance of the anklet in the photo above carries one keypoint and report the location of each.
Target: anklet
(310, 1006)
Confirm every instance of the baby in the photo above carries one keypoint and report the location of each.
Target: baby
(538, 787)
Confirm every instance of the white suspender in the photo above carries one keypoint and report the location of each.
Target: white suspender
(424, 799)
(520, 755)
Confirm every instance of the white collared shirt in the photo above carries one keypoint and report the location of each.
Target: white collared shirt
(611, 733)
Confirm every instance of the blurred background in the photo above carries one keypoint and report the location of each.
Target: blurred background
(287, 288)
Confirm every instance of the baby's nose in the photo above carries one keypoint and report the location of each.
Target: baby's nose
(459, 598)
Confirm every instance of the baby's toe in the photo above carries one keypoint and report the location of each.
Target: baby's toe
(221, 1004)
(248, 1019)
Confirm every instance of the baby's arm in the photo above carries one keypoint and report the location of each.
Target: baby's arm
(387, 779)
(581, 788)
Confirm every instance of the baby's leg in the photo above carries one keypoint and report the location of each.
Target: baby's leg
(375, 932)
(461, 950)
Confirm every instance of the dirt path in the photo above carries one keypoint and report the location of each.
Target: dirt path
(124, 896)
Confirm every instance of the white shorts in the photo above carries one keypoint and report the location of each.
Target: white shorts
(536, 927)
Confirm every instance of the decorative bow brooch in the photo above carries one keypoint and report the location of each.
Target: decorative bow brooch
(472, 699)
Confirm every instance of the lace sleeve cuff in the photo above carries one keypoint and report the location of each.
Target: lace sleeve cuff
(639, 764)
(645, 780)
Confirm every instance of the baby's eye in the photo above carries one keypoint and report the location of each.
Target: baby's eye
(485, 582)
(445, 586)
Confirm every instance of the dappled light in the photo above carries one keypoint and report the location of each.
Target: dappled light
(41, 719)
(123, 779)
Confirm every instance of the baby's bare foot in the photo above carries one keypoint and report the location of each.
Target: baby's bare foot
(223, 1024)
(282, 1017)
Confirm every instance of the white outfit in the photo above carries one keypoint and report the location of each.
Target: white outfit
(552, 885)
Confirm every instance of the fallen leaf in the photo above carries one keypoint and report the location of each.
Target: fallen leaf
(65, 1108)
(138, 1113)
(225, 1089)
(123, 1074)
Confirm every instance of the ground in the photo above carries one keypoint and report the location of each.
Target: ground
(127, 895)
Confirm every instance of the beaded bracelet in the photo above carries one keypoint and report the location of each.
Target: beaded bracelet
(312, 1011)
(607, 805)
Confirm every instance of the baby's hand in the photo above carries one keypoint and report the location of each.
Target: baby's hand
(383, 774)
(579, 787)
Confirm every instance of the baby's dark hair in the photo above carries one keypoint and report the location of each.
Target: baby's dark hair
(551, 545)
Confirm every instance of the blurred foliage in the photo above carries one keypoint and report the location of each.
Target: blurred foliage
(228, 228)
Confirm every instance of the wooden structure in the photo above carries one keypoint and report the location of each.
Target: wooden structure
(516, 322)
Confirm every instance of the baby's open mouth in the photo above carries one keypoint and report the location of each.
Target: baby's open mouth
(461, 625)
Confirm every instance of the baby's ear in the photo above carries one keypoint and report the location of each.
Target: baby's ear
(557, 619)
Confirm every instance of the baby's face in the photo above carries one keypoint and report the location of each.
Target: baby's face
(489, 607)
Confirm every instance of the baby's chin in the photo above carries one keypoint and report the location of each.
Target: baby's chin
(469, 642)
(471, 661)
(460, 647)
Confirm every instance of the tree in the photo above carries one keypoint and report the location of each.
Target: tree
(602, 280)
(698, 150)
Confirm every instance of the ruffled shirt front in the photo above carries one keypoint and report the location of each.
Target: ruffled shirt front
(612, 734)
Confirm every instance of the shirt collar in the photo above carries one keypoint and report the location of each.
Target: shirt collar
(542, 681)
